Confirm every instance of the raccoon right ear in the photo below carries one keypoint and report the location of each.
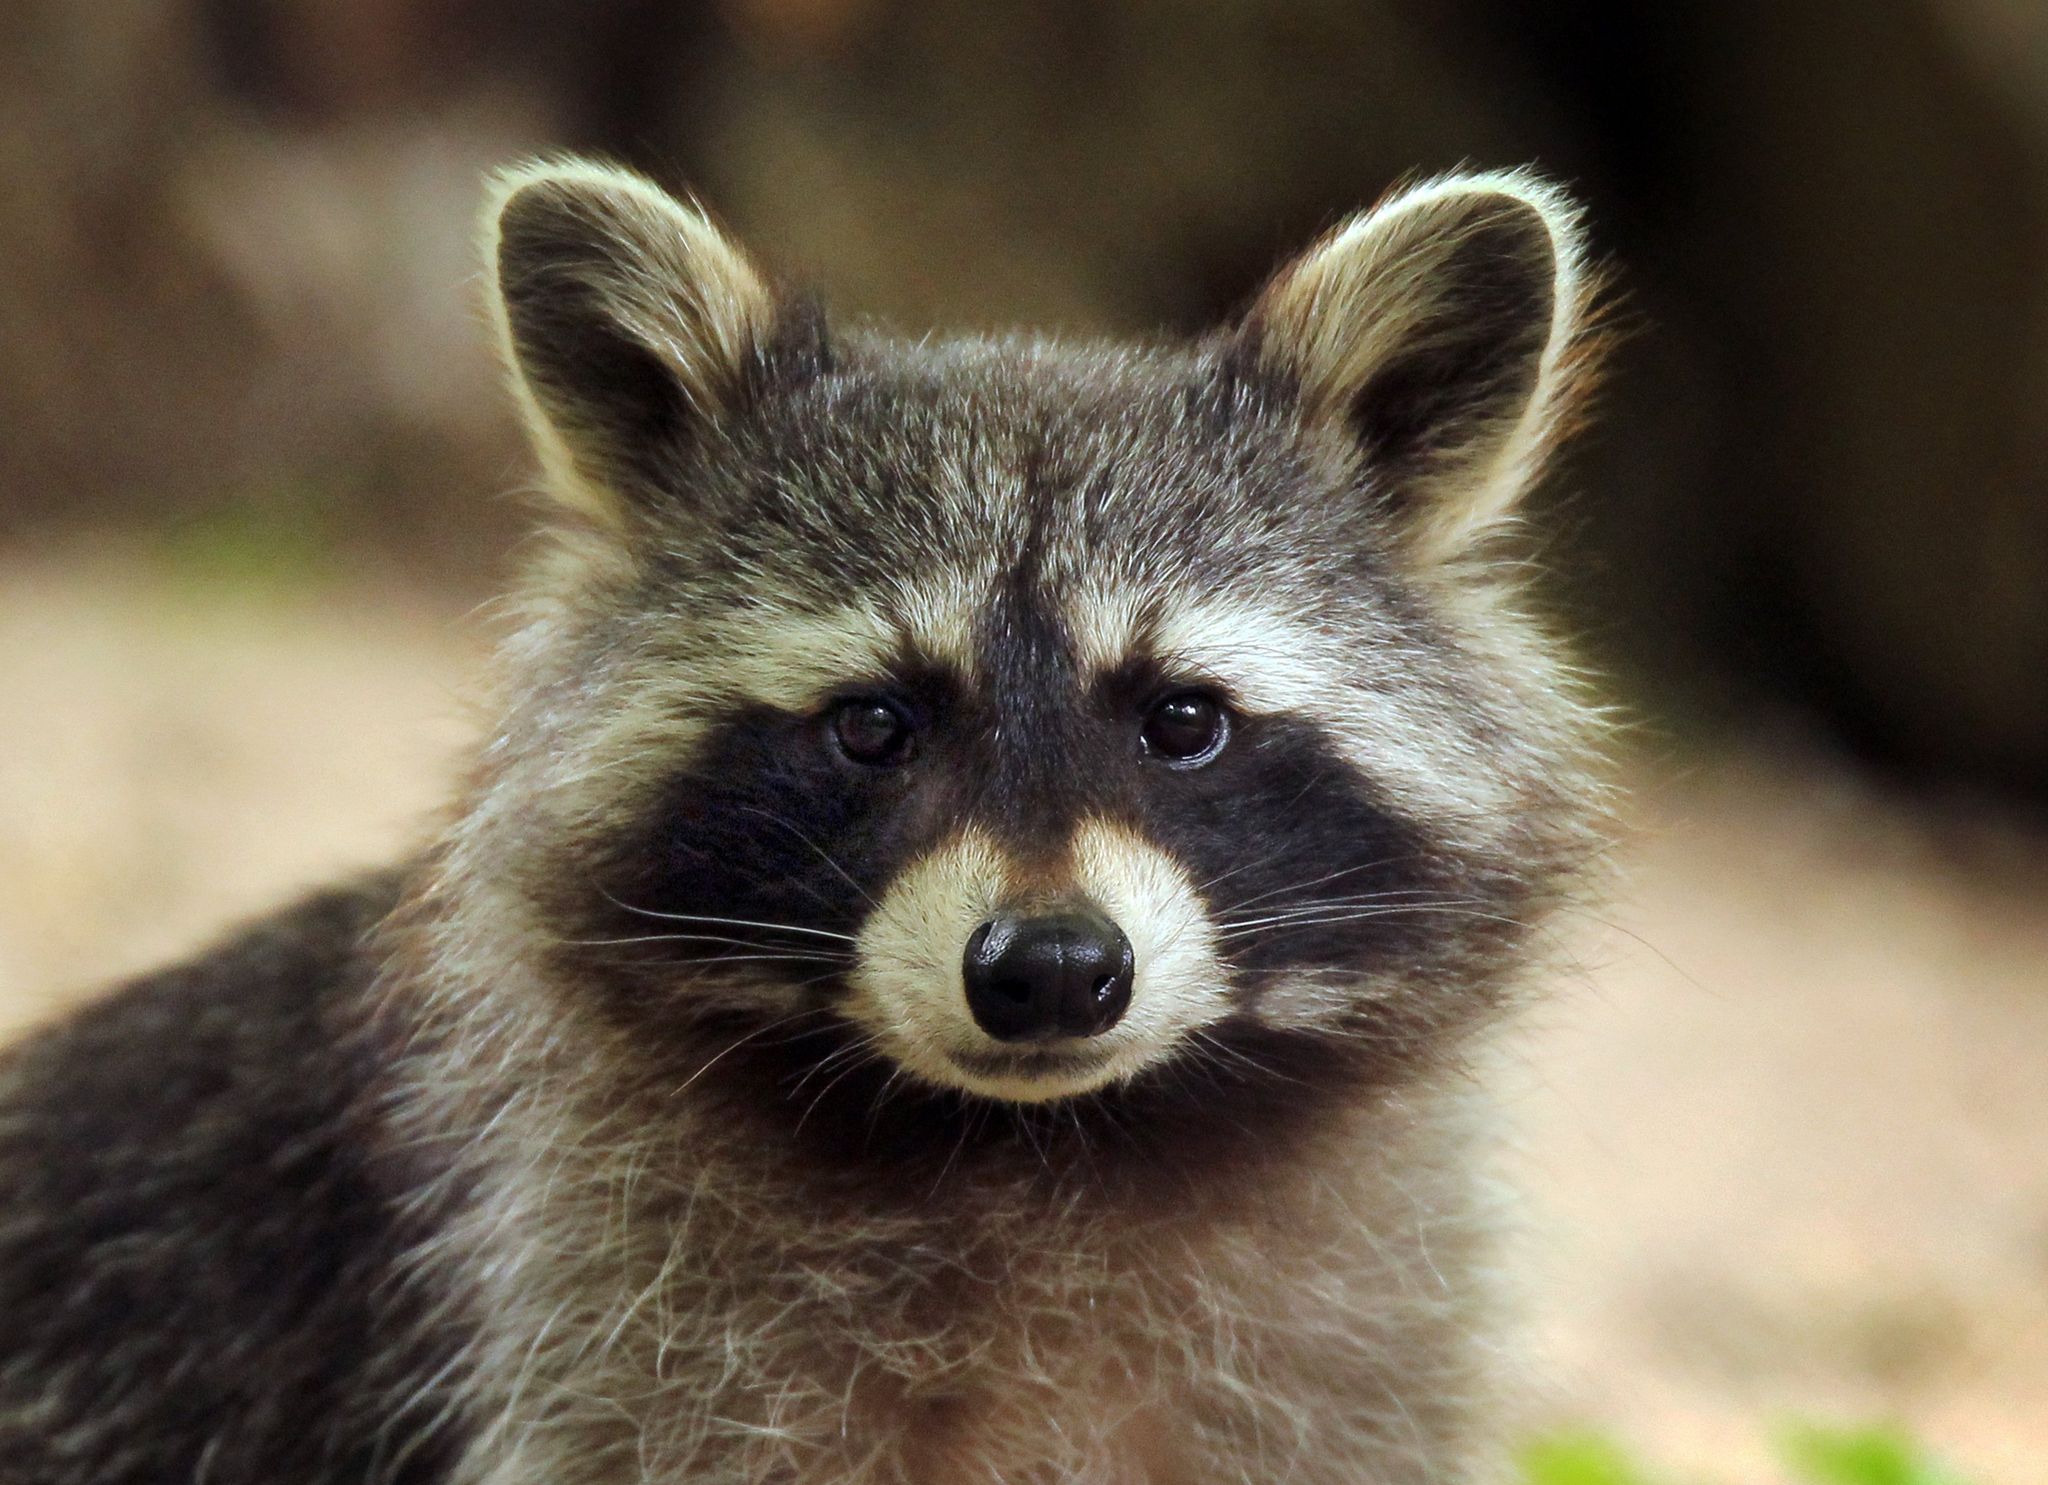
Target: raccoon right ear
(629, 322)
(1443, 332)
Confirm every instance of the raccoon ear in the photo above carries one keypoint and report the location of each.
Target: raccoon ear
(1441, 330)
(629, 323)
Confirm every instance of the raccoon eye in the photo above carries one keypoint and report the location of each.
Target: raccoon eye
(1187, 728)
(872, 731)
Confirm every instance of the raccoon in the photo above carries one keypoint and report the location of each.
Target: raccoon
(963, 957)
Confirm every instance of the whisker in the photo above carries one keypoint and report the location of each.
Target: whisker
(1402, 899)
(1643, 943)
(706, 918)
(1252, 865)
(1213, 1046)
(837, 1055)
(882, 1097)
(1342, 871)
(1282, 924)
(1365, 909)
(865, 1048)
(823, 855)
(735, 1045)
(971, 1125)
(820, 953)
(772, 959)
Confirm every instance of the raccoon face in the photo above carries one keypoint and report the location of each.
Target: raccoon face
(1043, 719)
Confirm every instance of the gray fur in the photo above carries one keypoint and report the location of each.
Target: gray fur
(489, 1199)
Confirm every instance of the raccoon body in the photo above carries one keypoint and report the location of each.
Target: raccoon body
(961, 960)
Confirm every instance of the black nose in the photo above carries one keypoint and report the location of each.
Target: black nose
(1056, 974)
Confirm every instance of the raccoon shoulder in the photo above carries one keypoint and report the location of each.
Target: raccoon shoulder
(187, 1170)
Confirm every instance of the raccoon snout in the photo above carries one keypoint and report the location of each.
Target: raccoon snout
(1066, 973)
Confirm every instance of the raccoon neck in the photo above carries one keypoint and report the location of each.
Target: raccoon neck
(590, 1204)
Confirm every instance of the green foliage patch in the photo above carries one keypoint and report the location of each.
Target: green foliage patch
(1813, 1453)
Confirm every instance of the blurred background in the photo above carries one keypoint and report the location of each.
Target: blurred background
(1787, 1126)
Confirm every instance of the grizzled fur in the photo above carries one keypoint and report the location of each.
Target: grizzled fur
(635, 1131)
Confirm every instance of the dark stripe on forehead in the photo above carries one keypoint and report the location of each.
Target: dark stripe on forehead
(1042, 750)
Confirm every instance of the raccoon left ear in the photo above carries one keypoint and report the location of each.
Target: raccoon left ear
(631, 325)
(1441, 331)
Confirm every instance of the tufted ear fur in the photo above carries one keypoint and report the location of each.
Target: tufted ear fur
(629, 322)
(1441, 330)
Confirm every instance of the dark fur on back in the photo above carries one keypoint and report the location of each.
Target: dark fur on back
(198, 1243)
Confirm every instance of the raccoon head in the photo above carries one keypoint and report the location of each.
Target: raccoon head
(1044, 720)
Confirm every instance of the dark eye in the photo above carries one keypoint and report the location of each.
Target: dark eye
(872, 731)
(1188, 727)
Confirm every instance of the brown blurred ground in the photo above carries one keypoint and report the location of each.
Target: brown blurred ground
(1787, 1131)
(1789, 1134)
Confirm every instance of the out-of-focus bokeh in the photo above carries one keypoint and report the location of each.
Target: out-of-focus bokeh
(1787, 1129)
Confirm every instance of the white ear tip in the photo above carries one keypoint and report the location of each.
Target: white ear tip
(1486, 262)
(603, 191)
(571, 174)
(597, 269)
(1559, 212)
